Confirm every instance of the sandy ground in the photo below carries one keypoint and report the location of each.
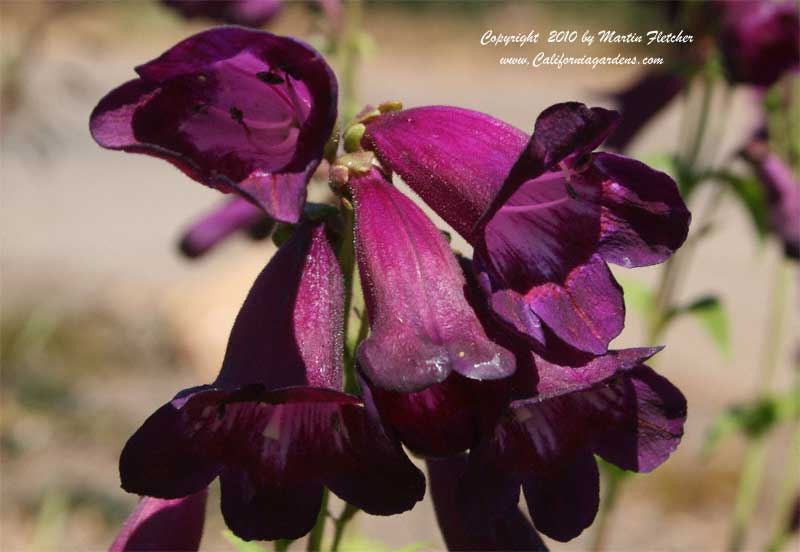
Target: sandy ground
(88, 230)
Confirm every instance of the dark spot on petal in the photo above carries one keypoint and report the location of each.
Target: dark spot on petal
(237, 114)
(270, 77)
(200, 107)
(289, 70)
(571, 191)
(582, 163)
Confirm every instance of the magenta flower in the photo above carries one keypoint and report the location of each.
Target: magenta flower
(544, 213)
(234, 215)
(422, 326)
(275, 426)
(157, 524)
(427, 350)
(250, 13)
(238, 110)
(782, 191)
(759, 40)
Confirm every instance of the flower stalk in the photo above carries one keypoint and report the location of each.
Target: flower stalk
(755, 457)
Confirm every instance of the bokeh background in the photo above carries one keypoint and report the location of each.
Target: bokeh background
(103, 321)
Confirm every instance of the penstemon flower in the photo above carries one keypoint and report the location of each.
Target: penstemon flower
(274, 426)
(238, 110)
(250, 13)
(759, 40)
(543, 213)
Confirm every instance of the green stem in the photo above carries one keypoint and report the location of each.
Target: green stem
(341, 523)
(612, 487)
(315, 536)
(349, 51)
(755, 456)
(788, 494)
(702, 123)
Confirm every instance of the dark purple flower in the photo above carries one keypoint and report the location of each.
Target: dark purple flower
(422, 327)
(613, 406)
(157, 525)
(232, 216)
(250, 13)
(274, 426)
(759, 40)
(455, 508)
(544, 213)
(782, 191)
(640, 102)
(239, 110)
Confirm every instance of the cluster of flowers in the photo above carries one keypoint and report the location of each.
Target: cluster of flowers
(758, 45)
(496, 370)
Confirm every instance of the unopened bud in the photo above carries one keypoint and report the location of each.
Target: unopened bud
(391, 105)
(352, 138)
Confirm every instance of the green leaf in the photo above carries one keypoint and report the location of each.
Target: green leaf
(750, 194)
(241, 545)
(754, 420)
(711, 314)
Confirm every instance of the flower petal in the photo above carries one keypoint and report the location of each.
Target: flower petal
(562, 132)
(235, 109)
(288, 331)
(268, 510)
(234, 215)
(506, 530)
(554, 380)
(633, 419)
(158, 524)
(643, 421)
(282, 442)
(454, 158)
(444, 419)
(563, 503)
(586, 312)
(422, 326)
(644, 219)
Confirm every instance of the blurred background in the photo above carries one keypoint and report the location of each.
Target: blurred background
(103, 320)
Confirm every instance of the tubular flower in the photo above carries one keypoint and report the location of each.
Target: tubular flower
(238, 110)
(422, 326)
(275, 426)
(250, 13)
(427, 355)
(759, 40)
(511, 531)
(158, 524)
(232, 216)
(782, 191)
(543, 212)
